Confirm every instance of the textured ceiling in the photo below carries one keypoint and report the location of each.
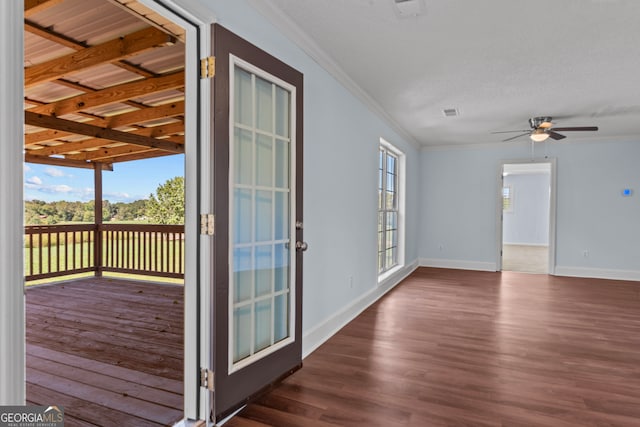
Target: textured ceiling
(498, 62)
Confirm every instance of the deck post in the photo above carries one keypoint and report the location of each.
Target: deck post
(97, 252)
(12, 312)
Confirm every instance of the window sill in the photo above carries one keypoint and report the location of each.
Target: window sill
(387, 274)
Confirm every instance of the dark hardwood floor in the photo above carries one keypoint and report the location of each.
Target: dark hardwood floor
(460, 348)
(109, 351)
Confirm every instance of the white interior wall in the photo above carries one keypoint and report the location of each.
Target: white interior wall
(341, 137)
(458, 206)
(527, 222)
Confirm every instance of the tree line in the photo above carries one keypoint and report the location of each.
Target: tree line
(166, 206)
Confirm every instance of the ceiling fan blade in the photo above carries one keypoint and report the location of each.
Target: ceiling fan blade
(517, 136)
(511, 131)
(587, 128)
(555, 135)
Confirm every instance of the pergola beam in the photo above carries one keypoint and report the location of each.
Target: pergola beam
(55, 37)
(112, 95)
(64, 162)
(108, 52)
(134, 117)
(85, 144)
(99, 132)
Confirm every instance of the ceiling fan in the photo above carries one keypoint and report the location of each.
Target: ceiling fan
(542, 128)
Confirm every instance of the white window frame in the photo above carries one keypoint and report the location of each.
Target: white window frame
(386, 146)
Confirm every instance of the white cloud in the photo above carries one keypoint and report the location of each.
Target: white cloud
(26, 168)
(34, 180)
(61, 189)
(119, 197)
(54, 172)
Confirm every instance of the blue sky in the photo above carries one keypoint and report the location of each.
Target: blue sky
(129, 181)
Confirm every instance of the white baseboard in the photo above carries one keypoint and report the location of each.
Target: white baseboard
(315, 337)
(457, 264)
(597, 273)
(542, 245)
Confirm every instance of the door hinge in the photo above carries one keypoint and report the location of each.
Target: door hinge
(207, 377)
(208, 67)
(207, 224)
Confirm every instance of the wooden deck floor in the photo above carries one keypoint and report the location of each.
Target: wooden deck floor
(460, 348)
(109, 350)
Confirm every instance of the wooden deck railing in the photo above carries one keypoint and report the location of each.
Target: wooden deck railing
(147, 249)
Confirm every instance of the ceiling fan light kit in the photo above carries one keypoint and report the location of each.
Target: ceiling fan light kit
(542, 128)
(539, 135)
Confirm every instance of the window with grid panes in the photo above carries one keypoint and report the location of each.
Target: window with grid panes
(388, 209)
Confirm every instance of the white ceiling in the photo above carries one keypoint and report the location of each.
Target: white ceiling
(498, 62)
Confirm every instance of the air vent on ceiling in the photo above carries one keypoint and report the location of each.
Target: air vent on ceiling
(408, 8)
(451, 112)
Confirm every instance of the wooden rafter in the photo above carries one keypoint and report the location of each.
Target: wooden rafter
(65, 162)
(70, 147)
(112, 95)
(48, 34)
(108, 52)
(78, 128)
(134, 117)
(144, 115)
(139, 156)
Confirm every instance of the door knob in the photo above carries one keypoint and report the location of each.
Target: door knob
(301, 246)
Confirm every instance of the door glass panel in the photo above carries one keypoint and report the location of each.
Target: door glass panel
(243, 153)
(263, 216)
(280, 317)
(264, 161)
(283, 101)
(281, 267)
(243, 97)
(264, 104)
(282, 164)
(242, 335)
(242, 274)
(264, 270)
(260, 216)
(263, 324)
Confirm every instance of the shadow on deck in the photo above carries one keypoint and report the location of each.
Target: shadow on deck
(109, 351)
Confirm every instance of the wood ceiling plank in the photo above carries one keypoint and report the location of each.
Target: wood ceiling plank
(108, 52)
(112, 95)
(108, 153)
(99, 132)
(134, 117)
(32, 7)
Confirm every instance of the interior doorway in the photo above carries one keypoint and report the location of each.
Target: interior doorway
(526, 217)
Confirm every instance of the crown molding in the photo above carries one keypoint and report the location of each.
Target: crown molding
(294, 33)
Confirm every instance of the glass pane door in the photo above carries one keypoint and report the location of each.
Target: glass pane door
(260, 205)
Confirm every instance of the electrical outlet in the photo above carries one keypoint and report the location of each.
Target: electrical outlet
(441, 247)
(585, 253)
(351, 282)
